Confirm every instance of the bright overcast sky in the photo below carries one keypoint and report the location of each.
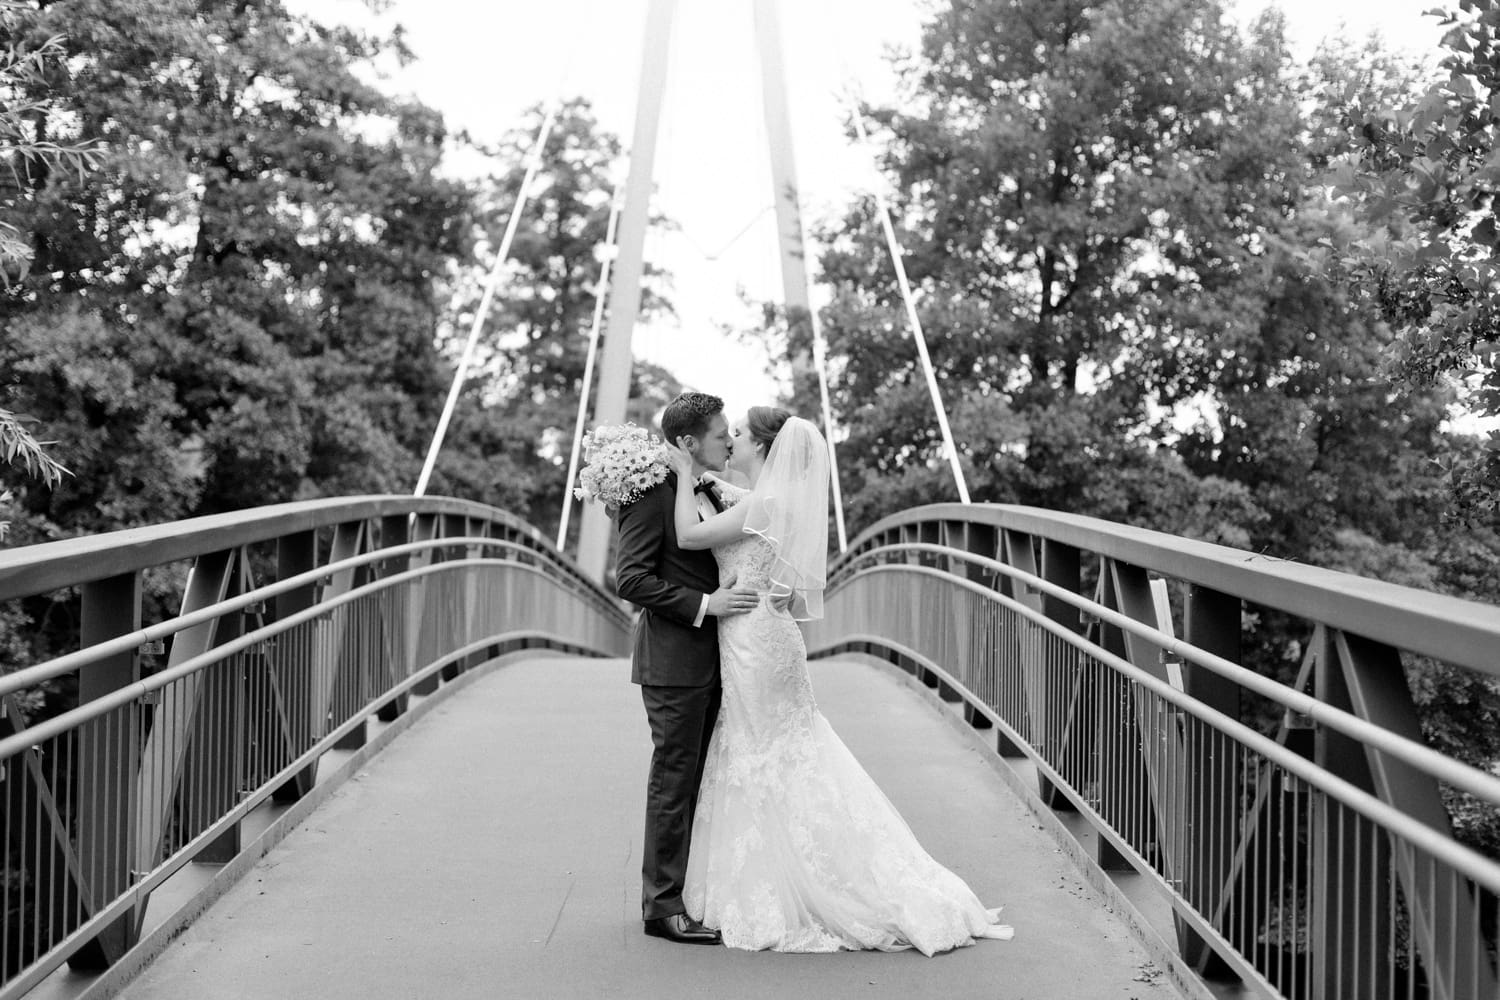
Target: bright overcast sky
(482, 64)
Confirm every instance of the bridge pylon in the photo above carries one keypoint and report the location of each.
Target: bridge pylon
(616, 362)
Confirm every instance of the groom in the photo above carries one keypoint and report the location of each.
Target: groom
(676, 658)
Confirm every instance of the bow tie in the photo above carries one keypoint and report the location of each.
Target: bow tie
(706, 487)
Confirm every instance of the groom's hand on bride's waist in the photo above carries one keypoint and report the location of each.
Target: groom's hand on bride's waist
(732, 600)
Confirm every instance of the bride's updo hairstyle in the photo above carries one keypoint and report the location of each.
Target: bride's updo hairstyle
(764, 423)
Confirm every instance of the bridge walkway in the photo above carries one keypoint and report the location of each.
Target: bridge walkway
(493, 850)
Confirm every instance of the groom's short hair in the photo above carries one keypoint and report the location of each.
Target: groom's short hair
(689, 413)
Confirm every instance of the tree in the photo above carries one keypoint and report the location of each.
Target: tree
(21, 152)
(1106, 210)
(241, 305)
(24, 120)
(1302, 410)
(1424, 170)
(19, 448)
(515, 423)
(1081, 188)
(1112, 214)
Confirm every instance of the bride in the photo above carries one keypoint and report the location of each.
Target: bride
(794, 847)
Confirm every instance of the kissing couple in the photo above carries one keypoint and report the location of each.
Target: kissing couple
(762, 830)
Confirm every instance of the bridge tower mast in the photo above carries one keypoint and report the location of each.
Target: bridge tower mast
(783, 163)
(616, 361)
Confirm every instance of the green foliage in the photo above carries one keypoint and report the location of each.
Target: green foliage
(24, 121)
(1105, 209)
(514, 425)
(1423, 172)
(19, 448)
(116, 416)
(248, 300)
(23, 64)
(1459, 709)
(1117, 220)
(240, 306)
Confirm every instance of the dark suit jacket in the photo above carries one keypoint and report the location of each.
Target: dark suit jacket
(668, 584)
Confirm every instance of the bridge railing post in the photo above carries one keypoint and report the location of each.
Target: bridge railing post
(1063, 677)
(1334, 842)
(394, 530)
(1020, 654)
(985, 662)
(216, 766)
(474, 592)
(107, 758)
(943, 614)
(421, 636)
(296, 554)
(1123, 777)
(458, 604)
(1211, 622)
(925, 533)
(338, 668)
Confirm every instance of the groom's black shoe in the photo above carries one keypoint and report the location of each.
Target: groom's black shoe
(683, 929)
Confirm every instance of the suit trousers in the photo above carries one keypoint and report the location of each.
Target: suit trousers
(682, 722)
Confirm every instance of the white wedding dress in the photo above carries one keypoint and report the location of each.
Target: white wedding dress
(794, 847)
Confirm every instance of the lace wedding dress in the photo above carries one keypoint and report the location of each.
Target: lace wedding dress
(794, 847)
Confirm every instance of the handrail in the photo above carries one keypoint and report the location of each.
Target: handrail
(35, 569)
(1465, 859)
(99, 707)
(1321, 860)
(69, 662)
(300, 624)
(1457, 773)
(1436, 625)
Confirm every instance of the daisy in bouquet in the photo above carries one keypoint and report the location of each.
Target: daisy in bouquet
(621, 462)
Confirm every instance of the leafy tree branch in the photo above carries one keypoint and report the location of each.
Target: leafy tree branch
(25, 150)
(1424, 171)
(21, 450)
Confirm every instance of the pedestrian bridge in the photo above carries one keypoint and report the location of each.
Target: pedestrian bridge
(386, 746)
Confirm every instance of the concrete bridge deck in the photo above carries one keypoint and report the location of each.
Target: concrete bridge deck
(493, 850)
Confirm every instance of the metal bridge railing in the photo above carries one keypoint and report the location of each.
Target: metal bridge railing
(1318, 861)
(298, 623)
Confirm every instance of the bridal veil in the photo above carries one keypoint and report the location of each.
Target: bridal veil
(789, 508)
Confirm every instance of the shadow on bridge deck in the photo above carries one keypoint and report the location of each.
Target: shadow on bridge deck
(493, 850)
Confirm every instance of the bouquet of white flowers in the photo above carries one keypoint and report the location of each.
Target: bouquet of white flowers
(620, 464)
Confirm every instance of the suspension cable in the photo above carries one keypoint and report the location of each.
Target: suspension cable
(608, 253)
(911, 315)
(820, 362)
(533, 164)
